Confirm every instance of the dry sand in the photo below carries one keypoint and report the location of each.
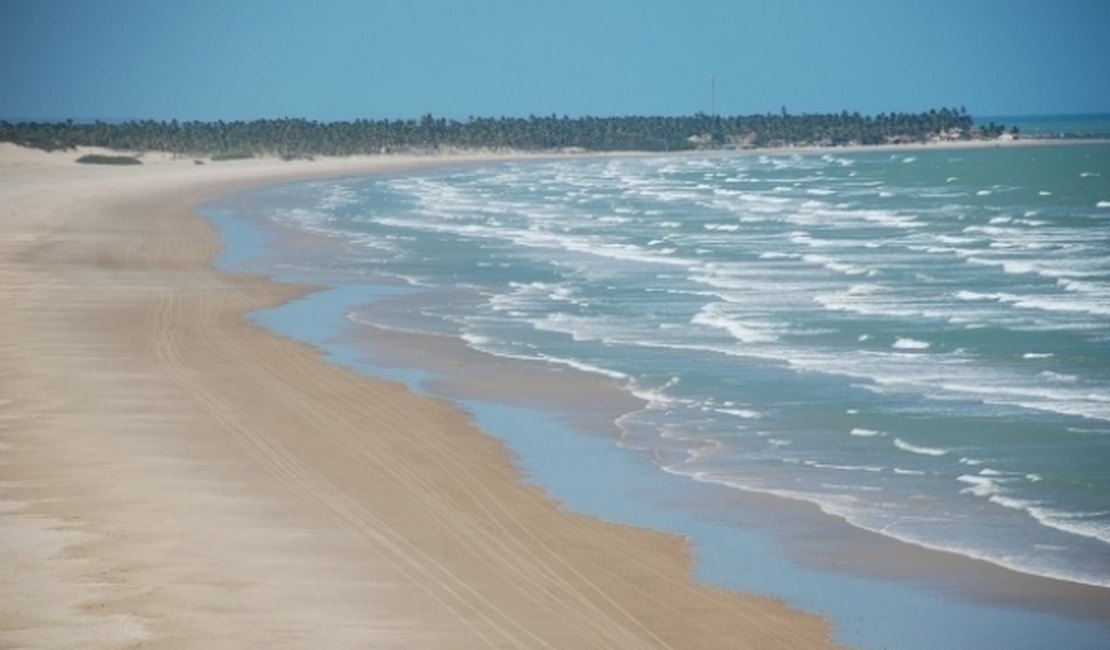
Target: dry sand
(171, 476)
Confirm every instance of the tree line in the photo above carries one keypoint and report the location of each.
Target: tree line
(295, 137)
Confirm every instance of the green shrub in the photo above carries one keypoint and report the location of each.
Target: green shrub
(99, 159)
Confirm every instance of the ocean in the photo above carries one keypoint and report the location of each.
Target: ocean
(1078, 125)
(917, 342)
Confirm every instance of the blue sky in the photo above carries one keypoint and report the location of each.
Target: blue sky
(346, 59)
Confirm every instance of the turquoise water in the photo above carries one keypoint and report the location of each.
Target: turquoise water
(916, 342)
(1081, 125)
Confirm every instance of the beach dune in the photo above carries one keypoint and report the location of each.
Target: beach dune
(172, 476)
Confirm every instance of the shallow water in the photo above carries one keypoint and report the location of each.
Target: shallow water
(915, 342)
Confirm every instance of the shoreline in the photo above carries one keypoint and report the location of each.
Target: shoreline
(588, 403)
(972, 581)
(952, 145)
(449, 155)
(582, 405)
(175, 474)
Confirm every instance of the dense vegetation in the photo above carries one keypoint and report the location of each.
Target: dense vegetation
(290, 137)
(98, 159)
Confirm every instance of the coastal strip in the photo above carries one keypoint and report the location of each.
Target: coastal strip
(172, 475)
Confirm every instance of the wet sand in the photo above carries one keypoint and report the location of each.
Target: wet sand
(172, 474)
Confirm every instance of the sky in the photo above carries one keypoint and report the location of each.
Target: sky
(400, 59)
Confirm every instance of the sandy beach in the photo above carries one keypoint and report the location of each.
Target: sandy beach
(174, 477)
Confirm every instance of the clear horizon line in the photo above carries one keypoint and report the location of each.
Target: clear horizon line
(117, 120)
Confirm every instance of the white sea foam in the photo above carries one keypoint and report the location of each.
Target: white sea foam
(838, 266)
(956, 240)
(579, 328)
(713, 315)
(1048, 302)
(918, 449)
(1080, 286)
(577, 365)
(851, 509)
(526, 296)
(843, 162)
(747, 414)
(980, 486)
(1085, 524)
(964, 294)
(885, 218)
(657, 398)
(476, 341)
(1103, 204)
(766, 293)
(1012, 503)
